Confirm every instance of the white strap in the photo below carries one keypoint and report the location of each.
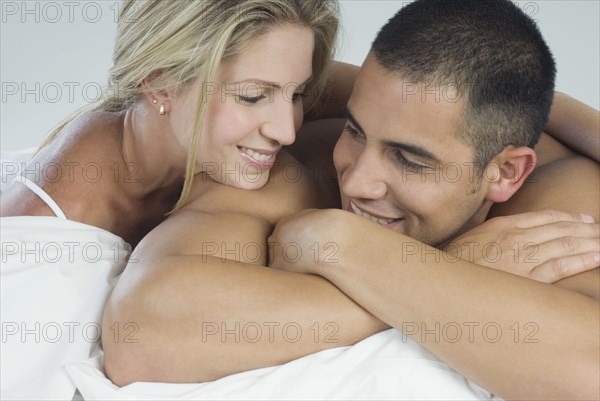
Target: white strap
(43, 195)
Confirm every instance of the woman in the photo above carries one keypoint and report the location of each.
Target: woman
(181, 105)
(145, 137)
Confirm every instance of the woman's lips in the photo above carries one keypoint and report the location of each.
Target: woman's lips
(259, 158)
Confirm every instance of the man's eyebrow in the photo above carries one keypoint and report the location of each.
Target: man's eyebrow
(414, 149)
(351, 118)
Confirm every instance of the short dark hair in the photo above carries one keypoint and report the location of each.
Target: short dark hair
(491, 52)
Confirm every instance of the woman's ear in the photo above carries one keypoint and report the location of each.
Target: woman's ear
(158, 99)
(508, 171)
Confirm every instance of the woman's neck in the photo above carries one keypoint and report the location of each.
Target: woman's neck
(150, 148)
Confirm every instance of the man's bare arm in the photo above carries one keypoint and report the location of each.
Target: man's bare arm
(414, 296)
(572, 184)
(505, 332)
(203, 317)
(204, 304)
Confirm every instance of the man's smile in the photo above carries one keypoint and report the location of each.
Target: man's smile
(386, 221)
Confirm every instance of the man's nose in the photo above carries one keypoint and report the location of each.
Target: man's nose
(365, 179)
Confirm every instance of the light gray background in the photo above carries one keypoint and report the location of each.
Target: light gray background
(56, 54)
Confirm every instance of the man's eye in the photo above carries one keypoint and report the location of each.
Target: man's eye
(250, 100)
(354, 132)
(410, 166)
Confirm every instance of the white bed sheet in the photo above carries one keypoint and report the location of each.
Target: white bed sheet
(56, 275)
(385, 366)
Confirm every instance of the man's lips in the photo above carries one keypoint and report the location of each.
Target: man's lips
(386, 221)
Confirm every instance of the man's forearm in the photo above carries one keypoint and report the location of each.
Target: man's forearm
(235, 315)
(516, 337)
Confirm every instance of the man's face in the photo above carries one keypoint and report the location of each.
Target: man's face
(399, 162)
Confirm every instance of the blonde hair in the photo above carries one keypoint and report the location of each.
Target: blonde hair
(188, 39)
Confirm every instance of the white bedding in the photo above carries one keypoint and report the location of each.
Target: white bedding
(51, 309)
(385, 366)
(55, 278)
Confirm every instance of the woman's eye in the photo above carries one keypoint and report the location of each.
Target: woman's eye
(250, 99)
(297, 96)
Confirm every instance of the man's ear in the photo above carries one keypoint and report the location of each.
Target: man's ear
(508, 171)
(157, 98)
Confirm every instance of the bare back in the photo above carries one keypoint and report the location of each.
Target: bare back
(84, 172)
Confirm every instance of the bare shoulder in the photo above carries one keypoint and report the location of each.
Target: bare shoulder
(290, 188)
(77, 170)
(231, 235)
(221, 220)
(549, 150)
(570, 184)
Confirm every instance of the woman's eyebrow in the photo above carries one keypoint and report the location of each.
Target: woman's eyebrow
(268, 84)
(260, 82)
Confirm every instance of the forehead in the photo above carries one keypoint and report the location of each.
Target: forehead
(282, 55)
(391, 108)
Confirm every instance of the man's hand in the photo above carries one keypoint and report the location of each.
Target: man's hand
(310, 240)
(546, 246)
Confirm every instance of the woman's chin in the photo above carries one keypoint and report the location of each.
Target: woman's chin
(249, 181)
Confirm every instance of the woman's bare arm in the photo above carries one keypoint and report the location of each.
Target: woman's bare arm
(575, 124)
(336, 93)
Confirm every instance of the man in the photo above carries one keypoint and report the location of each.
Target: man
(433, 139)
(173, 298)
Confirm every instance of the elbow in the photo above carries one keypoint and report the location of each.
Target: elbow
(126, 354)
(145, 338)
(119, 369)
(131, 339)
(125, 364)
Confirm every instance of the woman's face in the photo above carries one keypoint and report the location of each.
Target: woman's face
(254, 107)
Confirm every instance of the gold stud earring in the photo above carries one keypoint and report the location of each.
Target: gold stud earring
(162, 109)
